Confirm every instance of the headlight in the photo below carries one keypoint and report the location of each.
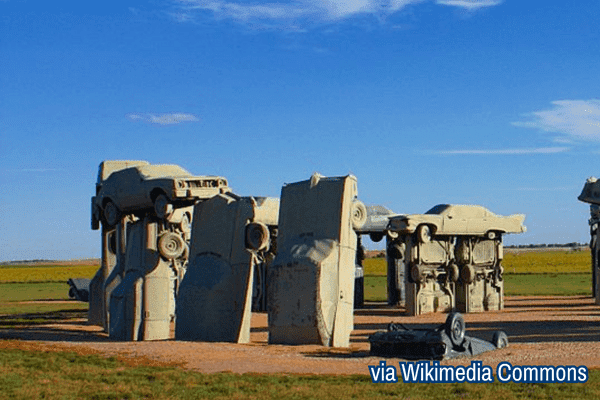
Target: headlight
(180, 184)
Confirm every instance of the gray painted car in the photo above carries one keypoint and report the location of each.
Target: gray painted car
(126, 187)
(450, 219)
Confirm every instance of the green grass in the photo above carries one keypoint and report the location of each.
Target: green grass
(26, 291)
(547, 284)
(42, 317)
(13, 294)
(64, 375)
(514, 285)
(375, 288)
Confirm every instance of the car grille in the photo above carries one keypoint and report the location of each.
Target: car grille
(210, 183)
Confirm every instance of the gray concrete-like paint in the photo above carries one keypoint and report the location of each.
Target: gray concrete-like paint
(311, 282)
(231, 237)
(142, 305)
(449, 258)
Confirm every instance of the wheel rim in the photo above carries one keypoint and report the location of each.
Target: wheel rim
(359, 214)
(111, 213)
(424, 234)
(162, 207)
(257, 236)
(455, 328)
(171, 245)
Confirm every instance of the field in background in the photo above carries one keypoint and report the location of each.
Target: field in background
(532, 262)
(38, 289)
(550, 272)
(534, 273)
(45, 273)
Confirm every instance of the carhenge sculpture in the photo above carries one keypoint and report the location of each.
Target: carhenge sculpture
(233, 241)
(145, 211)
(591, 194)
(450, 257)
(311, 281)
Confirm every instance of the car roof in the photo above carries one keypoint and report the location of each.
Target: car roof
(468, 210)
(162, 171)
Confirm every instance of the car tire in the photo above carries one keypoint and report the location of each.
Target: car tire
(162, 206)
(455, 328)
(358, 214)
(416, 273)
(424, 233)
(257, 236)
(376, 236)
(171, 245)
(111, 214)
(491, 235)
(454, 272)
(500, 339)
(467, 273)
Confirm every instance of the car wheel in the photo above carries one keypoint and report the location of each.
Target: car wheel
(72, 293)
(111, 214)
(467, 274)
(416, 273)
(376, 236)
(358, 214)
(491, 235)
(171, 245)
(455, 328)
(424, 233)
(257, 236)
(162, 207)
(454, 272)
(500, 340)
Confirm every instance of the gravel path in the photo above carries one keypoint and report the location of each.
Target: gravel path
(541, 330)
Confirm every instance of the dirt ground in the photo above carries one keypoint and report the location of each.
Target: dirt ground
(541, 330)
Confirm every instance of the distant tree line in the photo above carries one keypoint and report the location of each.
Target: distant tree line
(544, 245)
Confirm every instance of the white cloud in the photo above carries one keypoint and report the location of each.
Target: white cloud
(577, 119)
(541, 150)
(300, 12)
(163, 119)
(469, 4)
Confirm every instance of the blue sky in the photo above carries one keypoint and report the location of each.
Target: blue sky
(449, 101)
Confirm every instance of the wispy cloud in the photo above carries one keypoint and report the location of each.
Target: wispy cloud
(541, 150)
(302, 12)
(573, 119)
(164, 119)
(469, 4)
(39, 170)
(542, 189)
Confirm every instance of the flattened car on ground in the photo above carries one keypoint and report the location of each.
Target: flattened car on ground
(444, 342)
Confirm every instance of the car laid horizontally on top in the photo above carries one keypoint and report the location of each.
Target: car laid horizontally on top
(130, 187)
(450, 219)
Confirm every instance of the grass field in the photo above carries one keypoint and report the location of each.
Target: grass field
(538, 262)
(64, 375)
(45, 273)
